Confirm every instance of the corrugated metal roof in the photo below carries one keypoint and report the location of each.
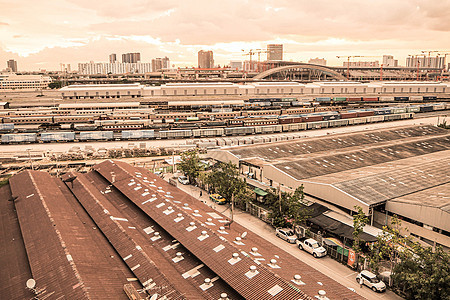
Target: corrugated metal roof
(133, 182)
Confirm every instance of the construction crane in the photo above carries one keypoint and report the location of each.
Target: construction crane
(250, 53)
(418, 63)
(259, 51)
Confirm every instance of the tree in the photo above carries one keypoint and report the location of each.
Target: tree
(422, 273)
(224, 179)
(359, 221)
(388, 244)
(190, 164)
(287, 208)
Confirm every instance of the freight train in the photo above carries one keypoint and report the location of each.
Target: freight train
(314, 122)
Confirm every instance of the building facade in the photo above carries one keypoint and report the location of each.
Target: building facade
(389, 61)
(420, 61)
(131, 58)
(12, 64)
(318, 61)
(112, 58)
(274, 52)
(11, 81)
(362, 64)
(160, 63)
(205, 59)
(113, 68)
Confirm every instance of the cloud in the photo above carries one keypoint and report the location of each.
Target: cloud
(90, 30)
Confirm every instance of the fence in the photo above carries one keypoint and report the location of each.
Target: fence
(256, 211)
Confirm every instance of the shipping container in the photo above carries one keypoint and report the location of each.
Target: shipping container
(426, 108)
(323, 99)
(294, 127)
(401, 98)
(429, 97)
(208, 132)
(413, 109)
(239, 130)
(328, 117)
(337, 123)
(354, 99)
(415, 98)
(138, 134)
(6, 127)
(370, 99)
(19, 138)
(366, 113)
(398, 110)
(312, 118)
(348, 115)
(170, 134)
(386, 98)
(268, 129)
(355, 121)
(96, 135)
(317, 125)
(57, 136)
(339, 99)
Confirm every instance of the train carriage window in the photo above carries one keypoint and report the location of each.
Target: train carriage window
(426, 90)
(342, 90)
(235, 91)
(418, 89)
(195, 92)
(435, 90)
(393, 90)
(185, 92)
(364, 90)
(204, 91)
(354, 90)
(401, 90)
(164, 92)
(268, 91)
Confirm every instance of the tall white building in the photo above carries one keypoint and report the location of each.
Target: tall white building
(115, 68)
(389, 61)
(437, 62)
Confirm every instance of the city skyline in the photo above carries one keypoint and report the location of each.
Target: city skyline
(41, 36)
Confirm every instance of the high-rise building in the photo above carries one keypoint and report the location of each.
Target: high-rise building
(112, 58)
(274, 52)
(437, 62)
(205, 59)
(160, 63)
(12, 64)
(131, 58)
(318, 61)
(389, 61)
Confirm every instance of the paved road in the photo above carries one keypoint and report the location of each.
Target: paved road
(326, 265)
(6, 150)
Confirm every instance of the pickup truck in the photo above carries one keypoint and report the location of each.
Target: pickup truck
(311, 246)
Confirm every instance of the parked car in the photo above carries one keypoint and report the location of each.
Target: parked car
(371, 280)
(217, 199)
(286, 234)
(311, 246)
(183, 180)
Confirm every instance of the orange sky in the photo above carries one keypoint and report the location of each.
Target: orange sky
(45, 33)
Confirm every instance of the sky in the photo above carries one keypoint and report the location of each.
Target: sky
(43, 34)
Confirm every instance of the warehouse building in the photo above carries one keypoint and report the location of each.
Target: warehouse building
(402, 171)
(118, 225)
(259, 89)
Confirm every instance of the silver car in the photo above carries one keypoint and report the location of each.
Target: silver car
(286, 234)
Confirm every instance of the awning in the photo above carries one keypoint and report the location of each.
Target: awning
(260, 192)
(339, 228)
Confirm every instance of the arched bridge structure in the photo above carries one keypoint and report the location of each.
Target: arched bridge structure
(301, 71)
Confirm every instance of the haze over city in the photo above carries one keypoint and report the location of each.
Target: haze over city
(43, 35)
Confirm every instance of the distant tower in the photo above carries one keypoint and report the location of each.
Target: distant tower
(112, 58)
(275, 52)
(12, 64)
(205, 59)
